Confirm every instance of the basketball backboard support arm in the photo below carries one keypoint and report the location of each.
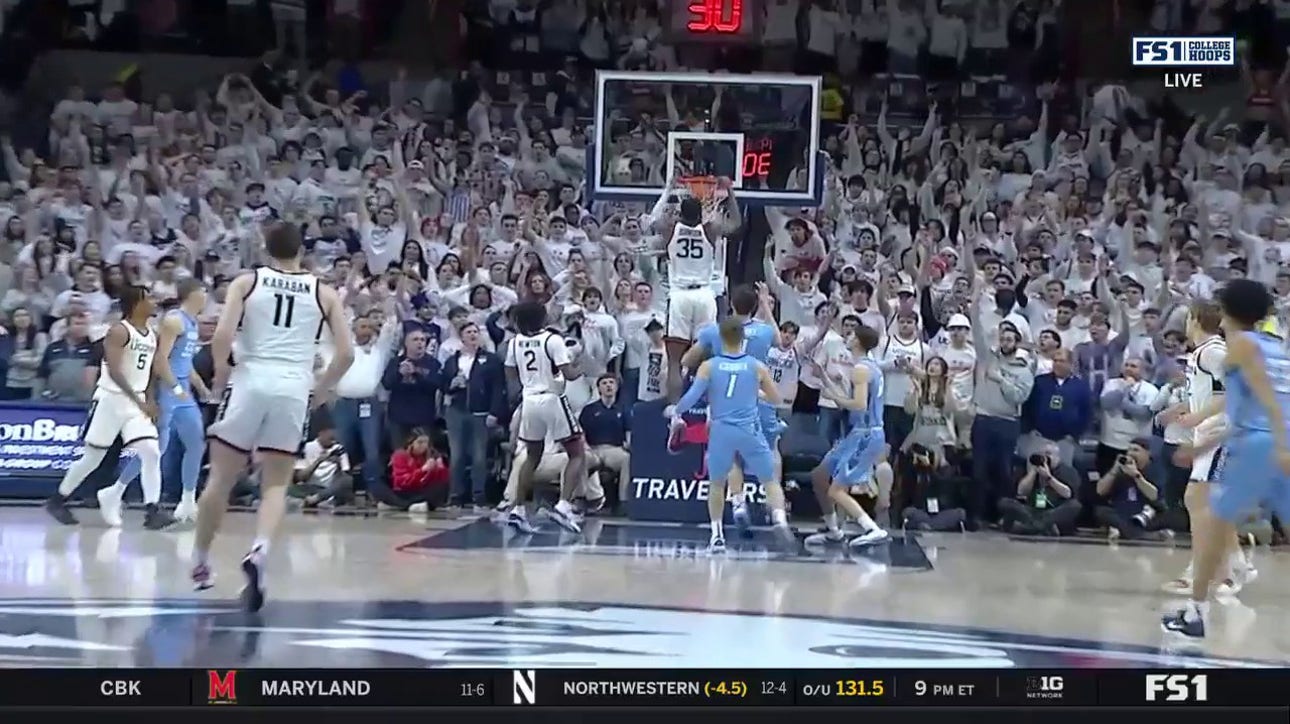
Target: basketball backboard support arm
(604, 188)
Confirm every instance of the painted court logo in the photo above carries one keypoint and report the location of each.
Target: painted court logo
(221, 688)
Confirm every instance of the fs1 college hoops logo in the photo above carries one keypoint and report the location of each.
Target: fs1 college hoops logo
(221, 688)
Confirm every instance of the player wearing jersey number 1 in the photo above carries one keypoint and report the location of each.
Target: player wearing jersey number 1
(277, 315)
(760, 336)
(124, 406)
(732, 381)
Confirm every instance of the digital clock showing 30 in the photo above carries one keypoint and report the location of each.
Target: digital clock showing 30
(715, 21)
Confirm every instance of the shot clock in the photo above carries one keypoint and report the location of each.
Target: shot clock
(733, 22)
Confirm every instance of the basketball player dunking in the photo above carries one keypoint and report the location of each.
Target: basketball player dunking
(732, 381)
(691, 265)
(1205, 369)
(1254, 467)
(123, 406)
(277, 314)
(542, 362)
(178, 392)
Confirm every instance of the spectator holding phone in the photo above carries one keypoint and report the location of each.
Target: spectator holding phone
(322, 475)
(418, 474)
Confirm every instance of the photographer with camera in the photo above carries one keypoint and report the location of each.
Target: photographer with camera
(935, 494)
(1127, 501)
(1046, 501)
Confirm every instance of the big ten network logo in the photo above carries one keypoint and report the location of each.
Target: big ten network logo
(1175, 52)
(1045, 687)
(715, 16)
(221, 688)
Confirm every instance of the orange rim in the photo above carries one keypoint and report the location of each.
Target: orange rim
(702, 188)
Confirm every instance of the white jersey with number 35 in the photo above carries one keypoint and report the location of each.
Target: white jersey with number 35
(691, 259)
(282, 321)
(537, 359)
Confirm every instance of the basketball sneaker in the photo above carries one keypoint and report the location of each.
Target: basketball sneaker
(869, 538)
(252, 595)
(743, 521)
(829, 536)
(154, 518)
(186, 511)
(717, 544)
(57, 508)
(202, 577)
(564, 516)
(110, 505)
(519, 520)
(1189, 622)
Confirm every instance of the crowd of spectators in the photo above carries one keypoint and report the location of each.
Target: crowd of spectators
(1029, 275)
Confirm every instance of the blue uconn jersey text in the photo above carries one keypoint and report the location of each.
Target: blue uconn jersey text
(732, 390)
(1243, 408)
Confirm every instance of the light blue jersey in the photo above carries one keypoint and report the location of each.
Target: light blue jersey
(871, 416)
(734, 430)
(1248, 476)
(181, 362)
(853, 458)
(732, 391)
(759, 338)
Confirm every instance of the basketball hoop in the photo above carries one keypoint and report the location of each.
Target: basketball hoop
(704, 189)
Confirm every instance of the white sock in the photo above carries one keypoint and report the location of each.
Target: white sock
(80, 469)
(737, 499)
(188, 496)
(866, 523)
(778, 517)
(200, 557)
(259, 549)
(831, 520)
(717, 530)
(1196, 610)
(564, 507)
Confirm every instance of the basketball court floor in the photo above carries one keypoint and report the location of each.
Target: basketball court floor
(395, 591)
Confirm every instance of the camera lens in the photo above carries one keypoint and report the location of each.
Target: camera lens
(1124, 459)
(1036, 459)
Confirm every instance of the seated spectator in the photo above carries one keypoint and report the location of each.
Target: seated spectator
(418, 476)
(936, 493)
(21, 348)
(605, 429)
(550, 468)
(63, 369)
(1127, 501)
(322, 475)
(1059, 409)
(474, 388)
(413, 381)
(1046, 502)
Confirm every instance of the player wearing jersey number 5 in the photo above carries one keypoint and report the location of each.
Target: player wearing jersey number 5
(124, 406)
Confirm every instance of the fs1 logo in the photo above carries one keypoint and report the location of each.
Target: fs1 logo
(221, 688)
(1178, 687)
(524, 686)
(1172, 52)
